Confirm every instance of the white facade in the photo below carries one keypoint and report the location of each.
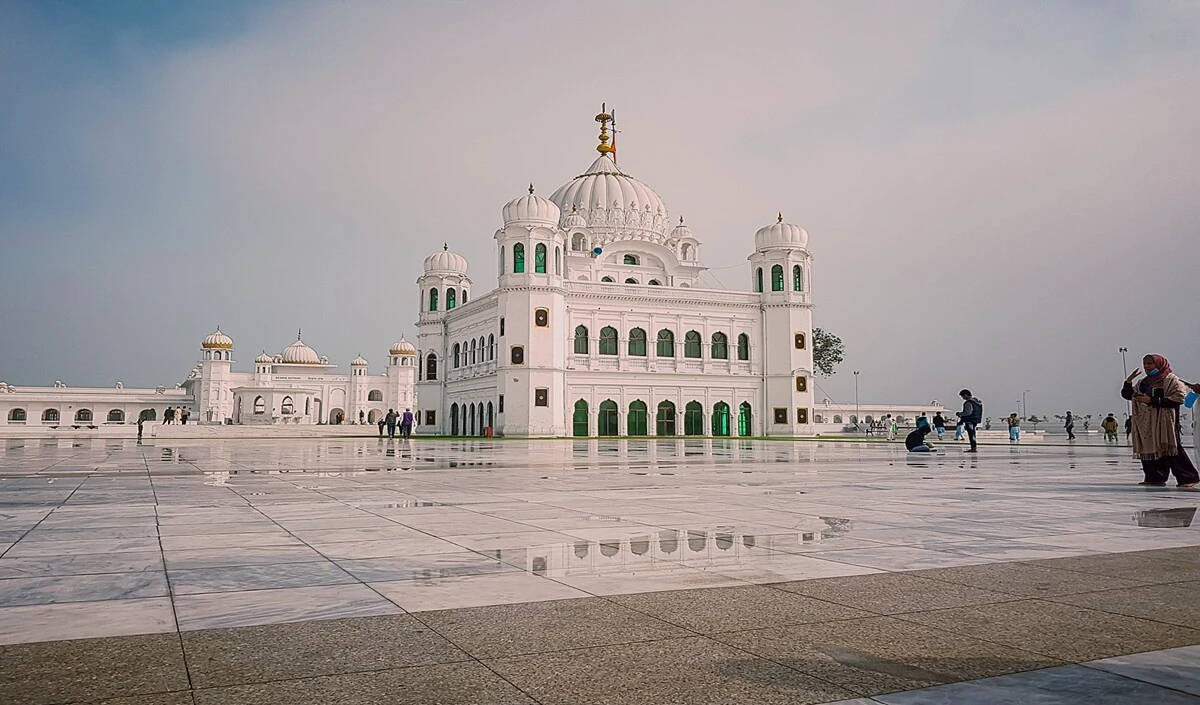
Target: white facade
(296, 386)
(599, 326)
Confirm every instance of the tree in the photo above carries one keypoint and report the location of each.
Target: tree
(827, 351)
(1035, 421)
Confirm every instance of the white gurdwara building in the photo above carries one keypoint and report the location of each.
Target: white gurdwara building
(598, 325)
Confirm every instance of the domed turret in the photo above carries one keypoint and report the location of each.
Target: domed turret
(531, 209)
(574, 219)
(217, 341)
(359, 361)
(402, 347)
(446, 261)
(681, 231)
(264, 359)
(780, 235)
(299, 354)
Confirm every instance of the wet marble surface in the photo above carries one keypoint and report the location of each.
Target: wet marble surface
(212, 533)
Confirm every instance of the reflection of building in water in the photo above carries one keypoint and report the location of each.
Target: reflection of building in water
(696, 548)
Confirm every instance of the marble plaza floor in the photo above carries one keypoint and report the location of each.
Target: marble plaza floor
(657, 571)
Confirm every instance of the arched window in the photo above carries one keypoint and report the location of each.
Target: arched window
(286, 407)
(691, 344)
(518, 258)
(83, 415)
(451, 299)
(743, 352)
(470, 428)
(116, 416)
(637, 344)
(797, 278)
(454, 419)
(491, 346)
(720, 419)
(607, 279)
(539, 258)
(50, 415)
(558, 260)
(720, 347)
(577, 243)
(631, 259)
(491, 417)
(501, 261)
(502, 326)
(777, 278)
(837, 418)
(473, 350)
(745, 427)
(375, 395)
(579, 421)
(686, 251)
(433, 299)
(16, 415)
(457, 358)
(665, 421)
(631, 280)
(260, 406)
(431, 367)
(148, 415)
(482, 349)
(607, 421)
(637, 420)
(581, 340)
(758, 281)
(464, 297)
(666, 344)
(608, 341)
(654, 282)
(693, 419)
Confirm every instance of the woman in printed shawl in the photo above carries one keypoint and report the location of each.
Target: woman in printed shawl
(1156, 401)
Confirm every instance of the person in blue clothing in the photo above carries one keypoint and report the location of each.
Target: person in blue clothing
(970, 416)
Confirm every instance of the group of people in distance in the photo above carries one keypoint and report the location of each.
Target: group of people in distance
(392, 419)
(180, 415)
(1155, 433)
(968, 420)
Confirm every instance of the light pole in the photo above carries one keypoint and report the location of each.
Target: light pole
(1125, 373)
(857, 418)
(1025, 404)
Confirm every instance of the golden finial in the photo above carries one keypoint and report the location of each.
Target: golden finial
(681, 220)
(530, 188)
(445, 247)
(780, 217)
(604, 118)
(574, 208)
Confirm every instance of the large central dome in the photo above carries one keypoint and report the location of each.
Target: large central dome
(614, 204)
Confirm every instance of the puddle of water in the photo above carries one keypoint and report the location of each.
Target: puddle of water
(1178, 518)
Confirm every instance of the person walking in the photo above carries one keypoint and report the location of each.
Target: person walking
(970, 416)
(1069, 425)
(141, 420)
(183, 415)
(1156, 434)
(1014, 428)
(939, 424)
(361, 417)
(987, 424)
(1110, 426)
(381, 423)
(390, 419)
(168, 416)
(958, 430)
(406, 423)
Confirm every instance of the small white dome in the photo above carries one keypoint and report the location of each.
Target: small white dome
(217, 341)
(574, 219)
(299, 354)
(780, 234)
(402, 347)
(446, 261)
(531, 209)
(681, 231)
(264, 359)
(359, 361)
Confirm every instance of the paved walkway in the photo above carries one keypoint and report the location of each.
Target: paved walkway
(577, 572)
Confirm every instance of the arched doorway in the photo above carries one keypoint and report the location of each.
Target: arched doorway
(636, 425)
(720, 419)
(579, 422)
(745, 427)
(607, 422)
(664, 424)
(336, 416)
(151, 414)
(454, 419)
(491, 417)
(374, 416)
(693, 419)
(472, 417)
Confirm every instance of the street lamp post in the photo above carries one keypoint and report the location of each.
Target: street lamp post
(857, 418)
(1025, 404)
(1125, 373)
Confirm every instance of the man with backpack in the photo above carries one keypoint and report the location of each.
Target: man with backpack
(970, 416)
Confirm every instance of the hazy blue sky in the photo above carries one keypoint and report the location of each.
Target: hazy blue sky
(998, 195)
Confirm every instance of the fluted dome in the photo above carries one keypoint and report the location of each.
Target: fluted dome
(264, 359)
(612, 202)
(446, 261)
(573, 219)
(300, 354)
(531, 208)
(217, 341)
(402, 347)
(359, 361)
(780, 234)
(681, 231)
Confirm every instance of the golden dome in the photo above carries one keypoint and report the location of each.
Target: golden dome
(217, 341)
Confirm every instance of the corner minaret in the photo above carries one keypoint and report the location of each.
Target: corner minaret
(444, 286)
(779, 271)
(214, 399)
(532, 354)
(401, 375)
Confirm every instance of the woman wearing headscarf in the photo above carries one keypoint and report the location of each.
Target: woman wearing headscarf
(1155, 428)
